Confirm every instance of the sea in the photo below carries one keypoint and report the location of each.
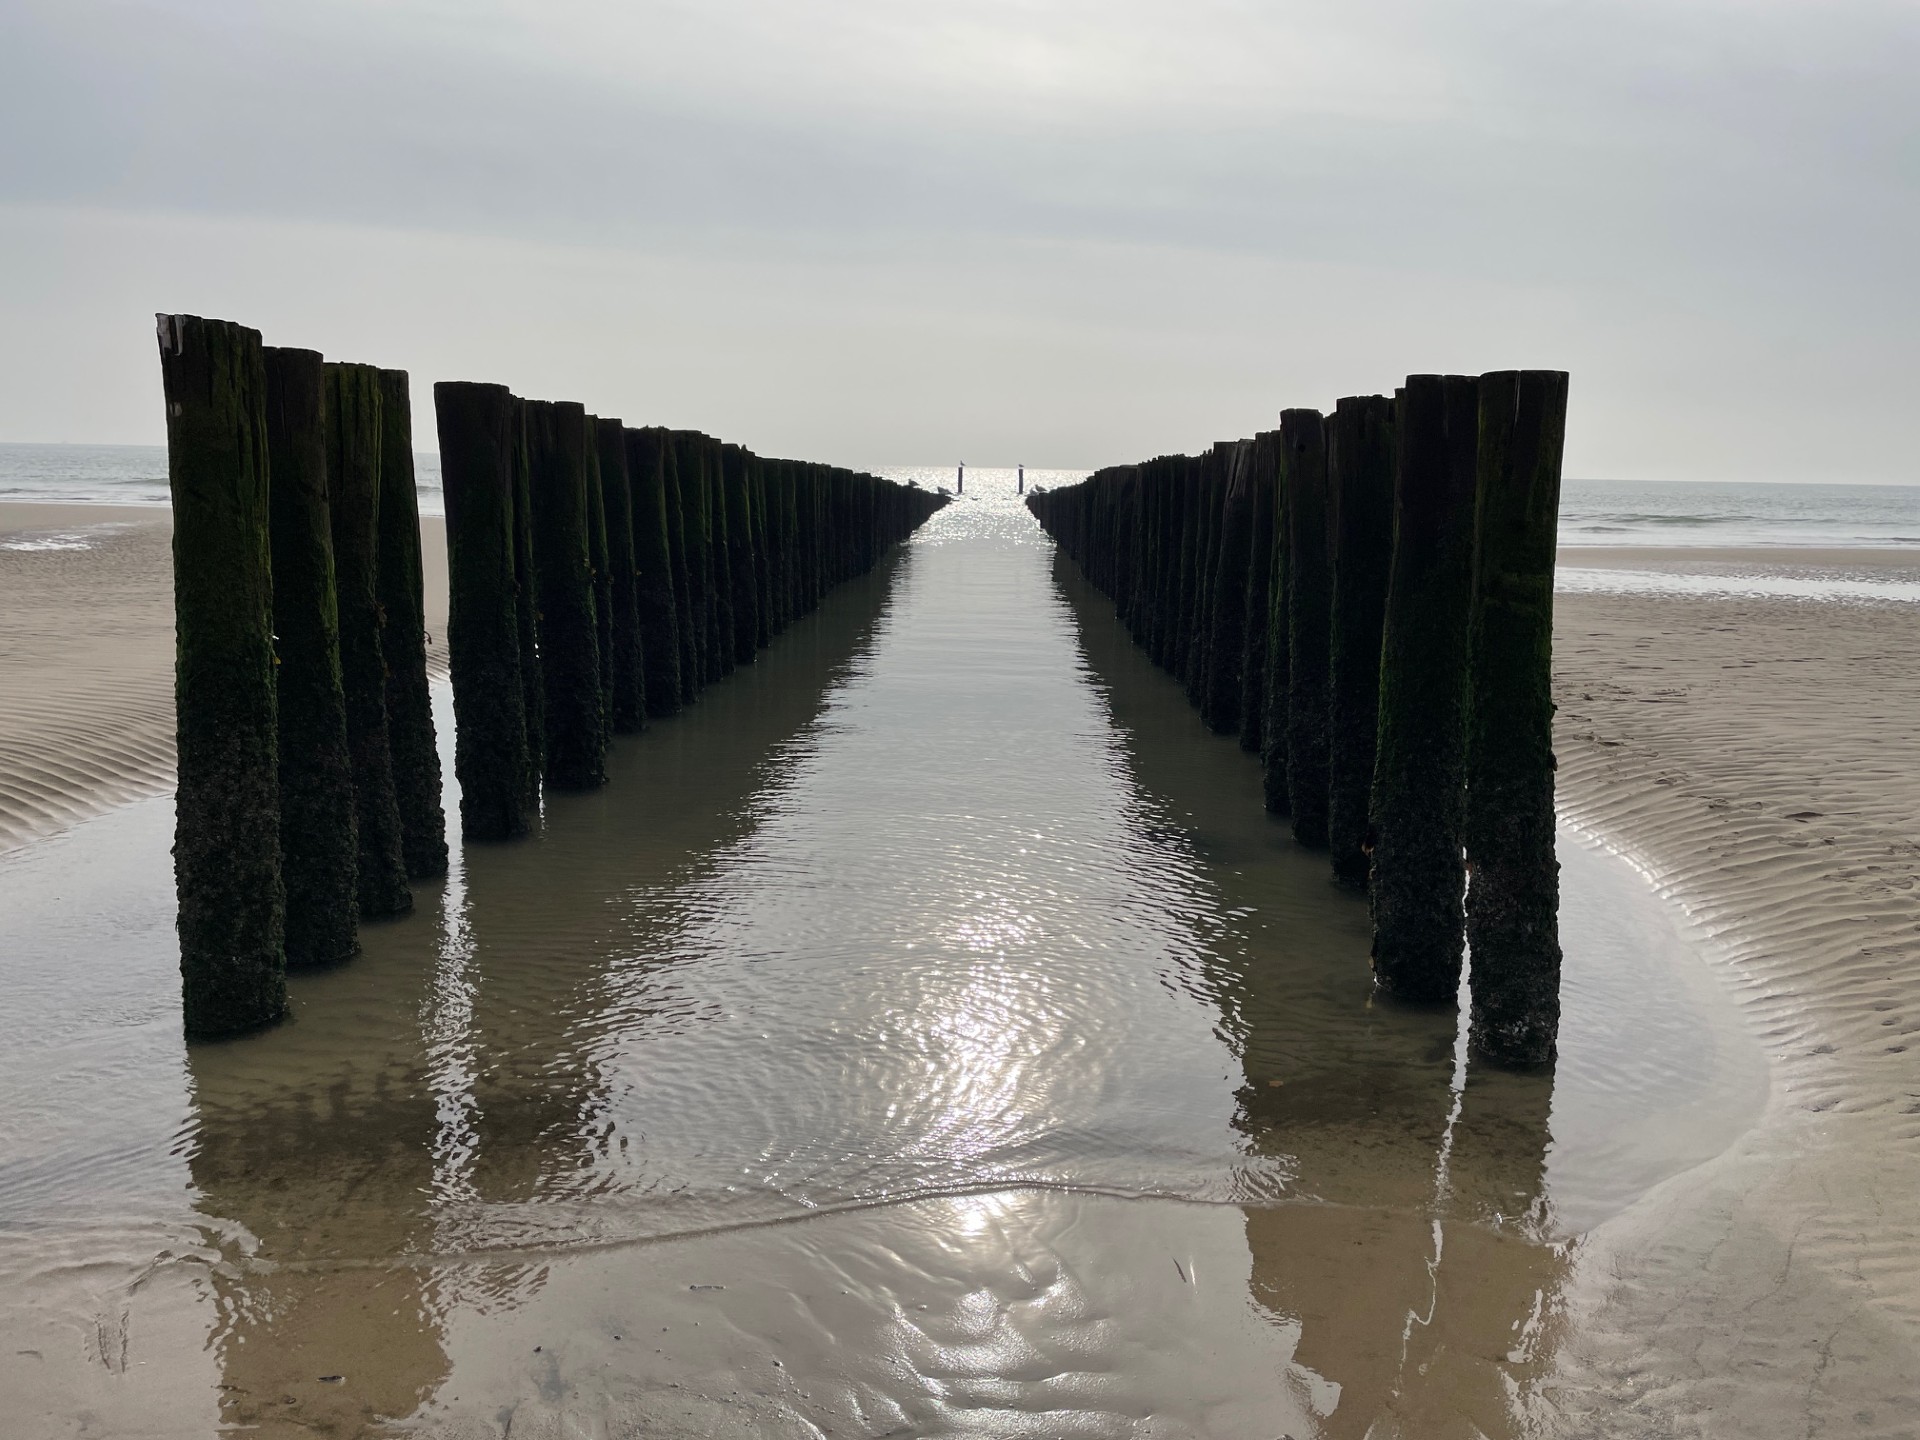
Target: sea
(1592, 512)
(1672, 517)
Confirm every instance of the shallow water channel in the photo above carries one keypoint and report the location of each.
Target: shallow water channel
(928, 1034)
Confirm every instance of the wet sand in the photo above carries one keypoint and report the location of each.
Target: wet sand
(86, 648)
(456, 1224)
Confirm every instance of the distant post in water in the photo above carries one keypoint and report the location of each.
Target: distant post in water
(479, 433)
(1273, 726)
(1020, 483)
(1419, 771)
(319, 836)
(602, 570)
(226, 853)
(655, 606)
(353, 487)
(1513, 896)
(1262, 463)
(403, 640)
(1360, 458)
(960, 480)
(1227, 653)
(576, 736)
(1303, 470)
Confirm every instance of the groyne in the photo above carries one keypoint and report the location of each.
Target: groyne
(599, 576)
(1366, 598)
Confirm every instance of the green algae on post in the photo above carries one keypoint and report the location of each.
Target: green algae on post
(1419, 771)
(353, 488)
(319, 835)
(1360, 462)
(576, 733)
(226, 852)
(403, 640)
(1513, 895)
(479, 428)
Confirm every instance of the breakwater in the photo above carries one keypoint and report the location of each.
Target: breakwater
(1365, 599)
(600, 576)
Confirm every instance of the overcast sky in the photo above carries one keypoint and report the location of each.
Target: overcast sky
(1058, 232)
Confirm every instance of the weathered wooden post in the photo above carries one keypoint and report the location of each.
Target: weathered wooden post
(353, 488)
(1227, 653)
(600, 570)
(686, 620)
(1360, 459)
(479, 427)
(625, 635)
(1262, 469)
(1513, 895)
(1419, 772)
(654, 612)
(226, 851)
(743, 598)
(1273, 725)
(319, 837)
(526, 570)
(1303, 452)
(403, 640)
(576, 736)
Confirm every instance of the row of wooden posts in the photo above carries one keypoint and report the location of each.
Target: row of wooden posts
(1366, 599)
(602, 575)
(599, 575)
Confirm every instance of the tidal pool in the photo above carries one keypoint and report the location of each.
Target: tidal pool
(927, 1034)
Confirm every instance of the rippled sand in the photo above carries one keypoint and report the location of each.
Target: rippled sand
(929, 1035)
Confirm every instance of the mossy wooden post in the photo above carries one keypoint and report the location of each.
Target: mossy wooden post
(654, 612)
(1360, 460)
(319, 836)
(576, 736)
(1513, 895)
(1273, 727)
(1303, 460)
(479, 427)
(743, 586)
(403, 640)
(601, 568)
(1227, 651)
(627, 676)
(526, 572)
(1262, 468)
(226, 849)
(1419, 772)
(353, 488)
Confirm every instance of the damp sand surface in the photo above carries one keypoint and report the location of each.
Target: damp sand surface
(926, 1035)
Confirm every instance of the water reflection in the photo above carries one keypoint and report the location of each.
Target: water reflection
(1410, 1255)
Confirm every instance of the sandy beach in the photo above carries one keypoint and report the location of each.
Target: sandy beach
(1754, 758)
(86, 643)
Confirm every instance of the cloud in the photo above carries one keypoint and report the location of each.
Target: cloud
(1724, 189)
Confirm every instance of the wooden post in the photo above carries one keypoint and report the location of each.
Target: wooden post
(1418, 777)
(1513, 896)
(319, 836)
(353, 487)
(576, 737)
(1227, 652)
(600, 569)
(658, 643)
(685, 618)
(743, 600)
(226, 852)
(626, 635)
(1361, 462)
(479, 428)
(403, 640)
(1263, 467)
(1273, 725)
(526, 571)
(1303, 452)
